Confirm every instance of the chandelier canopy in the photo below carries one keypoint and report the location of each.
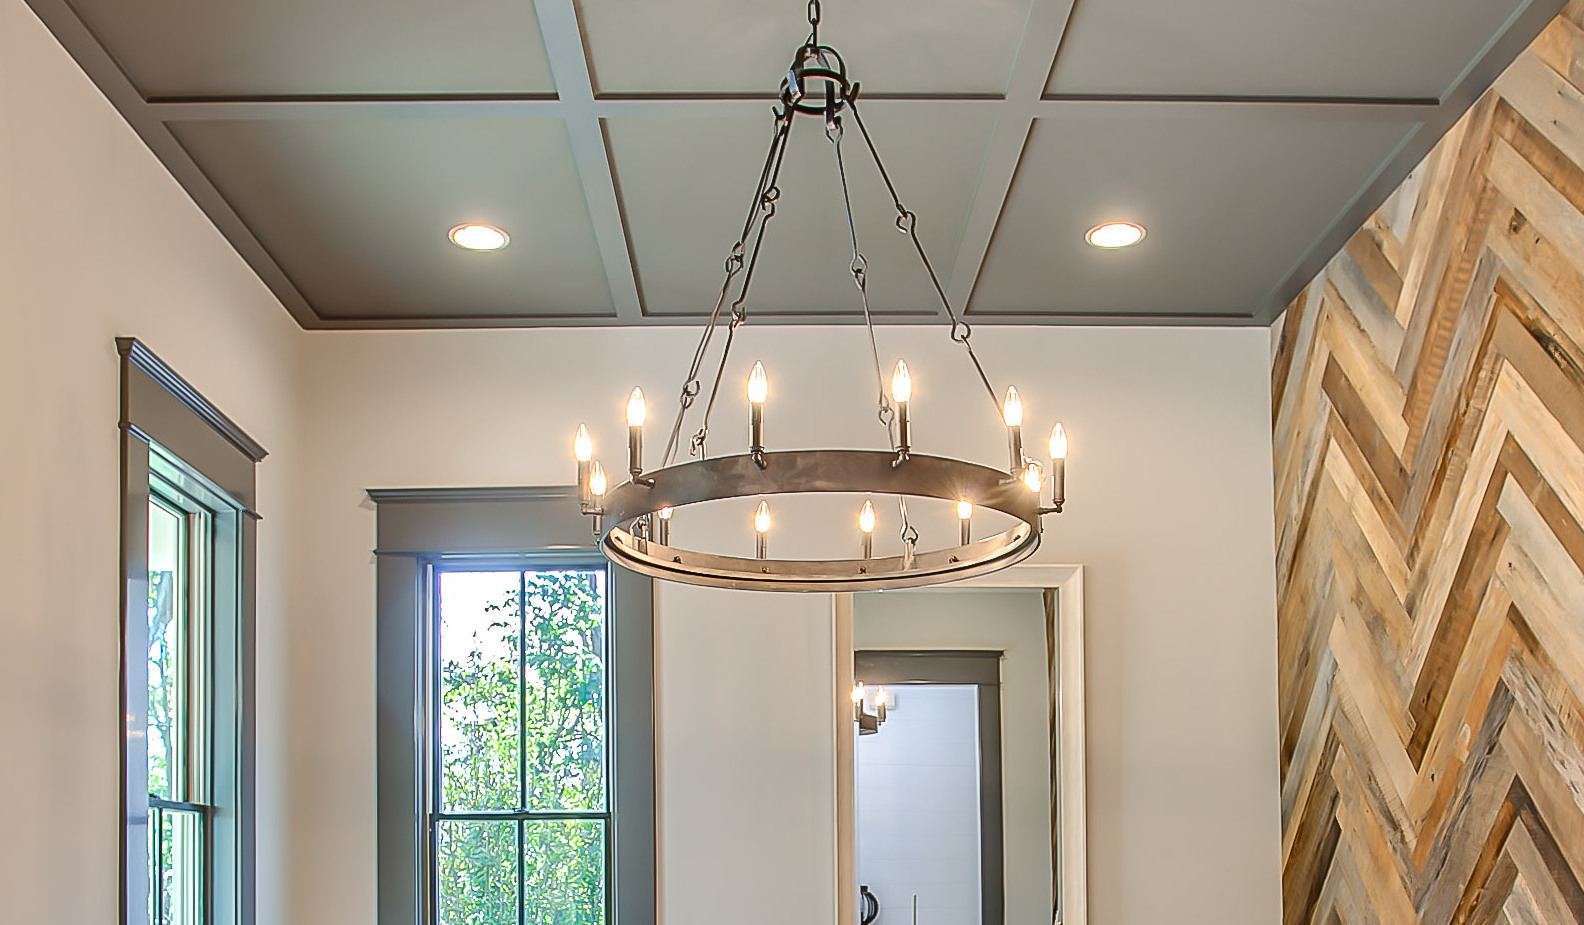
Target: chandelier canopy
(632, 521)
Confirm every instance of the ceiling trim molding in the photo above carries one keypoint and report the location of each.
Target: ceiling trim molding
(75, 36)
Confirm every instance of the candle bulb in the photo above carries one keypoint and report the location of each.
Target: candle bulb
(1058, 448)
(583, 449)
(637, 412)
(663, 533)
(758, 391)
(965, 518)
(1033, 477)
(857, 700)
(866, 523)
(882, 702)
(597, 484)
(902, 392)
(761, 530)
(1012, 413)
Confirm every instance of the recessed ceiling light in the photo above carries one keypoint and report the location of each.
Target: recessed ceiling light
(476, 237)
(1113, 235)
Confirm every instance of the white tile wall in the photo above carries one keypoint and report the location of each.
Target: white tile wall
(918, 807)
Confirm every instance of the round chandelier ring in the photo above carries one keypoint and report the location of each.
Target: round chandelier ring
(813, 63)
(814, 472)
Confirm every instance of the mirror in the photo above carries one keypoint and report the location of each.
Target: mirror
(954, 806)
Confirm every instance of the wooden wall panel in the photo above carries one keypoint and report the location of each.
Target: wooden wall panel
(1428, 396)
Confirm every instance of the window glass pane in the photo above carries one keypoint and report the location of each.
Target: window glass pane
(564, 690)
(480, 691)
(167, 652)
(478, 873)
(179, 876)
(564, 872)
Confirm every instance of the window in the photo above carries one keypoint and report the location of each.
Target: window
(188, 540)
(521, 829)
(180, 689)
(516, 736)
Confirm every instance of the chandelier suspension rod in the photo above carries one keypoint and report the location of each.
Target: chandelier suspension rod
(734, 264)
(860, 275)
(907, 222)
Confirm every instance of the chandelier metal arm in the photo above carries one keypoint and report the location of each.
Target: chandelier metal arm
(907, 222)
(860, 274)
(734, 265)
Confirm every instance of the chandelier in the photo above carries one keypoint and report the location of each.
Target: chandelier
(632, 520)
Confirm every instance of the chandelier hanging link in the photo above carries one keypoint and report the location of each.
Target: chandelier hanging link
(632, 521)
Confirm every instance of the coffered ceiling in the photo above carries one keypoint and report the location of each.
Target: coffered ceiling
(335, 142)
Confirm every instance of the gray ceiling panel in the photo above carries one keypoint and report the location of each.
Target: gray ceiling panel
(290, 47)
(357, 213)
(335, 141)
(1410, 49)
(729, 46)
(1231, 205)
(687, 188)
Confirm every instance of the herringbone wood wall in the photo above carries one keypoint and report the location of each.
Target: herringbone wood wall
(1428, 390)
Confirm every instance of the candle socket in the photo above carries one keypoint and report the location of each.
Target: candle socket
(1059, 482)
(904, 430)
(1015, 440)
(663, 531)
(585, 497)
(756, 429)
(762, 546)
(967, 532)
(868, 546)
(635, 451)
(880, 711)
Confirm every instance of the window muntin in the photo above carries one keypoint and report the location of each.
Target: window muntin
(520, 700)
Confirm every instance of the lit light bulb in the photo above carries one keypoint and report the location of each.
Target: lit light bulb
(1033, 477)
(762, 518)
(866, 518)
(665, 513)
(597, 482)
(1058, 444)
(902, 383)
(758, 384)
(1012, 408)
(858, 693)
(881, 699)
(964, 510)
(583, 444)
(637, 411)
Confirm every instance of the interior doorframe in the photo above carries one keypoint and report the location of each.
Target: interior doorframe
(1069, 787)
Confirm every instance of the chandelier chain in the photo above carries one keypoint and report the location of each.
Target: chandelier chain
(907, 223)
(860, 274)
(758, 211)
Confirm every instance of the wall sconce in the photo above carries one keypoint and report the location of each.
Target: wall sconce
(869, 723)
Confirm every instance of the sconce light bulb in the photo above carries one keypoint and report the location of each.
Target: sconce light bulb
(1033, 477)
(597, 482)
(637, 411)
(866, 518)
(583, 444)
(902, 382)
(858, 693)
(881, 699)
(1012, 408)
(762, 518)
(1058, 444)
(665, 513)
(964, 510)
(758, 384)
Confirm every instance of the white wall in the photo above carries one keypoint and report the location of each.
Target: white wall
(97, 240)
(1012, 622)
(1170, 484)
